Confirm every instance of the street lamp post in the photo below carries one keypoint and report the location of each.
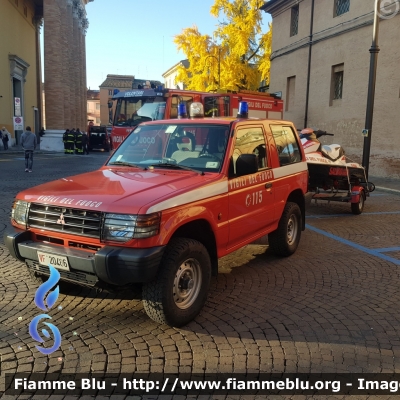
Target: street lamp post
(374, 50)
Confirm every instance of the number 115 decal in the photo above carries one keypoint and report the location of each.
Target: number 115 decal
(254, 198)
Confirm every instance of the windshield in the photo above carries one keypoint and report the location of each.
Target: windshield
(198, 146)
(133, 111)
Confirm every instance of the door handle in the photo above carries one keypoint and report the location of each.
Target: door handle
(268, 185)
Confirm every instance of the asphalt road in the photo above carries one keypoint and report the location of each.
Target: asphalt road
(333, 307)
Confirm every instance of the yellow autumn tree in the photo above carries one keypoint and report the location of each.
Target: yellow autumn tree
(238, 55)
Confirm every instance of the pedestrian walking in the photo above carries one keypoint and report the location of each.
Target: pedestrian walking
(78, 142)
(28, 143)
(71, 141)
(5, 137)
(65, 141)
(85, 143)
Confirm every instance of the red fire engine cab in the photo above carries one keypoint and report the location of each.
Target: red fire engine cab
(141, 105)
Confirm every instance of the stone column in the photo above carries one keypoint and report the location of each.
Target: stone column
(83, 77)
(84, 82)
(66, 100)
(65, 27)
(75, 64)
(70, 73)
(53, 69)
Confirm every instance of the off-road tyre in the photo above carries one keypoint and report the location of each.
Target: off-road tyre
(357, 208)
(285, 239)
(181, 287)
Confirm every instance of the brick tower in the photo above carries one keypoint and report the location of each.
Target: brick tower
(65, 26)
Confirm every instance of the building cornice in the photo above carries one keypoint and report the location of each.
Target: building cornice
(184, 63)
(276, 7)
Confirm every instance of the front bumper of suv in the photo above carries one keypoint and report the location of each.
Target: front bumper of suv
(113, 265)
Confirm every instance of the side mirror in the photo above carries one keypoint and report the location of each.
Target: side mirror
(110, 104)
(246, 164)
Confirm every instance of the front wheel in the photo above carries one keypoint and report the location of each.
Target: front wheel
(284, 240)
(357, 208)
(181, 287)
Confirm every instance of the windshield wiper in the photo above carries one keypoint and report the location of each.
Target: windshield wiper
(177, 166)
(126, 164)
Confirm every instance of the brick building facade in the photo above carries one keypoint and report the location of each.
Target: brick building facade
(65, 63)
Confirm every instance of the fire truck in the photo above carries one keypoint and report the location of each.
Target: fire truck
(141, 105)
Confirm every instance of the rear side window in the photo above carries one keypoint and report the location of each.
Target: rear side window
(286, 144)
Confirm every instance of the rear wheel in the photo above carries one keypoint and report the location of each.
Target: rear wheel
(357, 208)
(284, 240)
(180, 289)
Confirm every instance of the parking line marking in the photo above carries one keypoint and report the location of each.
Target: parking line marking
(371, 252)
(387, 249)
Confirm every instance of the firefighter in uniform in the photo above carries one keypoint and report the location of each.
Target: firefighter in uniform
(65, 141)
(78, 142)
(71, 141)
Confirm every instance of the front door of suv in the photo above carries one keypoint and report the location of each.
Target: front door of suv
(251, 197)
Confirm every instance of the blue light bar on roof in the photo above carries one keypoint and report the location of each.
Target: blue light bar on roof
(182, 110)
(243, 110)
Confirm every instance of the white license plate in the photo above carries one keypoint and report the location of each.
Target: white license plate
(59, 262)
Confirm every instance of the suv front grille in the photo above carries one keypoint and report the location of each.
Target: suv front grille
(67, 220)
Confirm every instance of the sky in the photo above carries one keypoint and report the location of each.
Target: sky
(132, 37)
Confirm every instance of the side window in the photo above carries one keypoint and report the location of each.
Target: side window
(216, 106)
(286, 144)
(188, 100)
(250, 141)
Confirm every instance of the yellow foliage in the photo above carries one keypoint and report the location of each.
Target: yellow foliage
(240, 60)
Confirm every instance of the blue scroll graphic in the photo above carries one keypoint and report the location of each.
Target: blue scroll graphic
(45, 287)
(33, 331)
(40, 299)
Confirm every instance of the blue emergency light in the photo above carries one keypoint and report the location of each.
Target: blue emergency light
(182, 110)
(243, 110)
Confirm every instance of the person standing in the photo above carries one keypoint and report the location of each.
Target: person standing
(28, 143)
(71, 141)
(78, 142)
(85, 143)
(65, 141)
(5, 137)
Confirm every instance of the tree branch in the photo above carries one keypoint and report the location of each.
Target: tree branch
(254, 53)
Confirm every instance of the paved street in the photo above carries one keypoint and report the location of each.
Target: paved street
(331, 307)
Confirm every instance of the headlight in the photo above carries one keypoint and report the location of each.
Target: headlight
(19, 212)
(122, 227)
